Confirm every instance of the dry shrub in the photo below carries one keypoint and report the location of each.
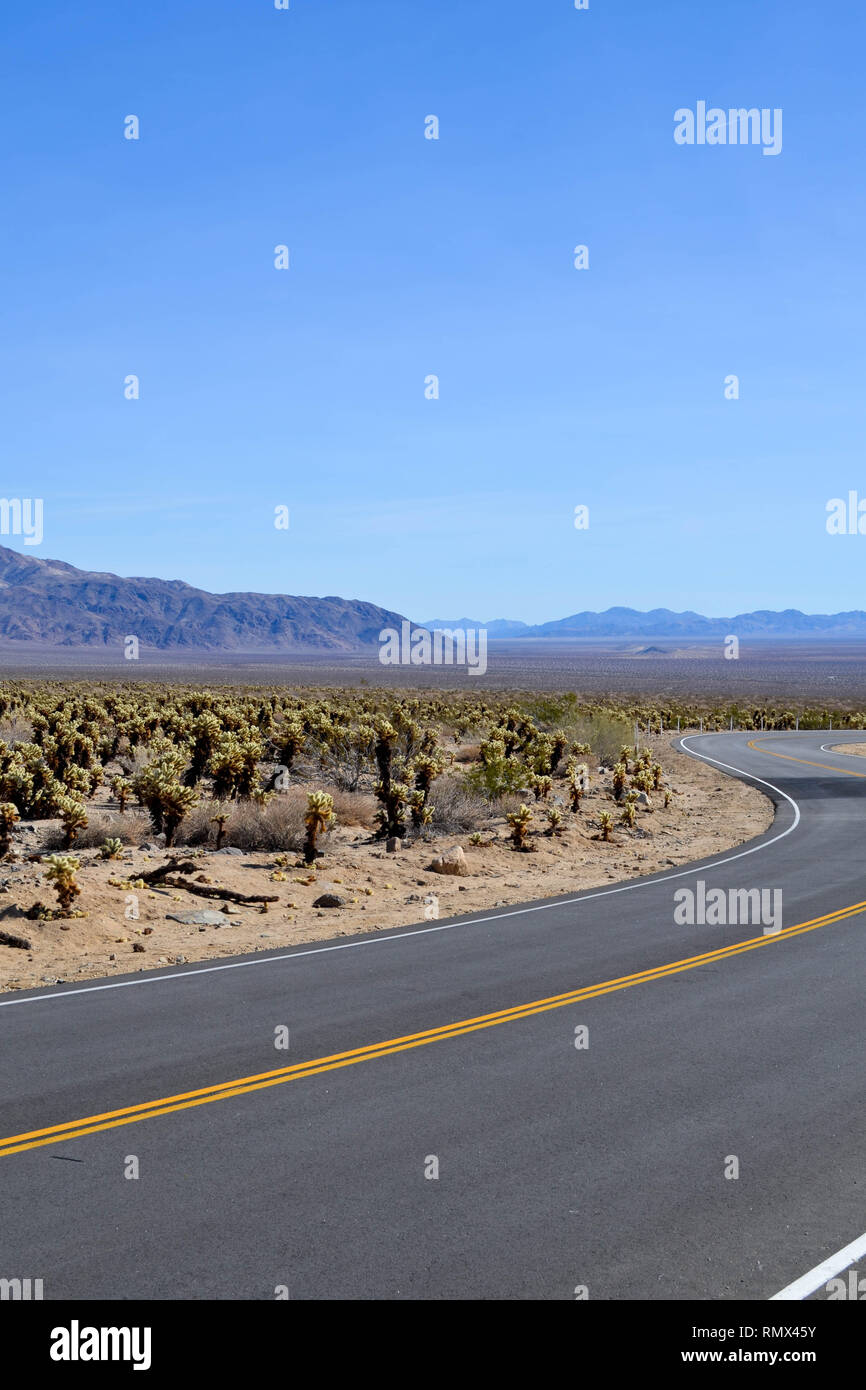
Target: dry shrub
(354, 808)
(15, 729)
(468, 753)
(456, 808)
(278, 825)
(132, 828)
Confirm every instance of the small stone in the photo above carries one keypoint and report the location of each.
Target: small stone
(206, 918)
(330, 900)
(147, 931)
(393, 844)
(137, 946)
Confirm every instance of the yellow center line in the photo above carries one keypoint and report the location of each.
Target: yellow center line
(111, 1119)
(843, 771)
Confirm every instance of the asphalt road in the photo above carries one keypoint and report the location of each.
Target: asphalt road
(560, 1168)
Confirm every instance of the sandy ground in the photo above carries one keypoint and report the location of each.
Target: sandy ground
(709, 813)
(858, 748)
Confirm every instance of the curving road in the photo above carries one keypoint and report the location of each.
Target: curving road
(711, 1049)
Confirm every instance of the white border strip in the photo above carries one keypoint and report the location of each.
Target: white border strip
(808, 1283)
(157, 979)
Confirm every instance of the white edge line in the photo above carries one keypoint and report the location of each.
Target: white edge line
(448, 926)
(827, 1269)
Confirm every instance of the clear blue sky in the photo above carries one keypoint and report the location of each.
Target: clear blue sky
(454, 257)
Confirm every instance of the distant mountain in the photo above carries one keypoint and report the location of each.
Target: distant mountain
(51, 603)
(663, 622)
(499, 627)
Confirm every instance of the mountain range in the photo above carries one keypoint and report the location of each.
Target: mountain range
(663, 622)
(51, 603)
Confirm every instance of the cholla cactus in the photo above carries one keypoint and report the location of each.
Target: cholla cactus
(605, 820)
(541, 786)
(422, 811)
(628, 810)
(620, 773)
(61, 872)
(667, 796)
(519, 821)
(625, 753)
(121, 790)
(8, 818)
(657, 771)
(111, 849)
(390, 790)
(554, 821)
(175, 801)
(234, 766)
(578, 781)
(320, 817)
(643, 780)
(220, 820)
(74, 818)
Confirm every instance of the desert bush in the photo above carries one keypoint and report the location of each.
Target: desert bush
(459, 808)
(132, 829)
(355, 808)
(278, 825)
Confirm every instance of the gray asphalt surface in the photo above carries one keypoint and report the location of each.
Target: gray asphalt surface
(558, 1168)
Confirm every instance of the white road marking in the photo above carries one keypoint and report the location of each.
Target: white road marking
(827, 1269)
(446, 926)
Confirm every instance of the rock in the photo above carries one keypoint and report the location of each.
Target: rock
(453, 861)
(206, 918)
(644, 800)
(137, 946)
(147, 931)
(112, 956)
(393, 844)
(330, 900)
(414, 898)
(180, 960)
(149, 848)
(228, 911)
(230, 849)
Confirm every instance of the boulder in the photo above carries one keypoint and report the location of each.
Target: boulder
(330, 900)
(452, 861)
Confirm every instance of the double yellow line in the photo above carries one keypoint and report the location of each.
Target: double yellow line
(187, 1100)
(843, 771)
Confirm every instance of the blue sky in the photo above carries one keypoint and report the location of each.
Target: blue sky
(412, 257)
